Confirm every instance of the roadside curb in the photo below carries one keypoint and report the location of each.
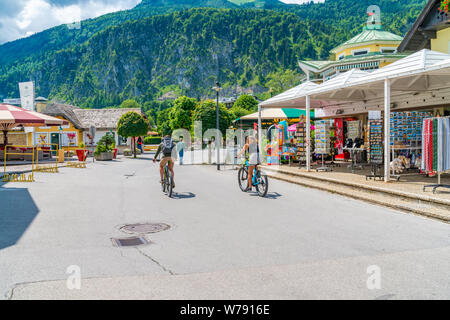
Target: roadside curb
(362, 186)
(322, 185)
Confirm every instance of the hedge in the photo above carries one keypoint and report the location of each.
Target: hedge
(152, 140)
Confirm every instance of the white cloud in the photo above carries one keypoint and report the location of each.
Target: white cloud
(26, 17)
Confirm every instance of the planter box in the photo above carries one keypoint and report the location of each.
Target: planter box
(105, 156)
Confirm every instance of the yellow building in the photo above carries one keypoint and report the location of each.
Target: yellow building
(372, 49)
(67, 137)
(82, 124)
(431, 30)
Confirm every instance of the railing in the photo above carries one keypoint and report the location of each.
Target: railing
(20, 177)
(80, 164)
(49, 169)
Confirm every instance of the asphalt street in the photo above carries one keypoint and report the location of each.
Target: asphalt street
(298, 243)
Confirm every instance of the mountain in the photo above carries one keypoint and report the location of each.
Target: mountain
(61, 37)
(171, 44)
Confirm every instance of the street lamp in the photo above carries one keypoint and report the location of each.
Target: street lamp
(218, 140)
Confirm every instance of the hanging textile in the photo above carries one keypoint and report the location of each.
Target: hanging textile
(436, 145)
(339, 144)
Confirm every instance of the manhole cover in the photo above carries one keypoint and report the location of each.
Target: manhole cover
(130, 242)
(145, 227)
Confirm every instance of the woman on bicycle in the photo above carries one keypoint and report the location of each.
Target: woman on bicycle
(252, 147)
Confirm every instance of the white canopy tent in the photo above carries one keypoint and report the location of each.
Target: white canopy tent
(266, 114)
(422, 78)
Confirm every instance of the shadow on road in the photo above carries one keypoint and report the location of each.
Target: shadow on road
(17, 212)
(270, 195)
(183, 195)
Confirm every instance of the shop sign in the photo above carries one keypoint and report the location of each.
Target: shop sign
(375, 115)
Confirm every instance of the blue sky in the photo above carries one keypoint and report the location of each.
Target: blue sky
(21, 18)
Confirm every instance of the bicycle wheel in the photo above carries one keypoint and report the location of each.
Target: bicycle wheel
(263, 184)
(169, 184)
(163, 182)
(243, 178)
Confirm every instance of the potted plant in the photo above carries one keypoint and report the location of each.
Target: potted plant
(81, 152)
(444, 6)
(127, 152)
(104, 150)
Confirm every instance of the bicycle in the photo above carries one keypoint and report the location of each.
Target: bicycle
(167, 182)
(259, 179)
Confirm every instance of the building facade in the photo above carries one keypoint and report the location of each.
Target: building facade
(372, 49)
(86, 126)
(431, 30)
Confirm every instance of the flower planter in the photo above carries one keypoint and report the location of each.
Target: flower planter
(105, 156)
(81, 154)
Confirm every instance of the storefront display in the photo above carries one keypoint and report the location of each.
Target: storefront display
(436, 148)
(375, 148)
(300, 136)
(376, 141)
(323, 143)
(353, 129)
(322, 132)
(406, 128)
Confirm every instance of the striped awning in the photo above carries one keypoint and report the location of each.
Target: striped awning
(12, 116)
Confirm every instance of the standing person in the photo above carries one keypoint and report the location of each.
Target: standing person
(139, 144)
(180, 150)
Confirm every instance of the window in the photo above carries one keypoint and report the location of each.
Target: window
(122, 141)
(360, 52)
(388, 50)
(341, 56)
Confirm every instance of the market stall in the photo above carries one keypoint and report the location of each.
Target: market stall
(419, 81)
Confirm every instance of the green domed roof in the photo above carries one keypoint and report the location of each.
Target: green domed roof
(369, 35)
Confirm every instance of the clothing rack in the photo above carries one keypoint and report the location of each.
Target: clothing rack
(439, 184)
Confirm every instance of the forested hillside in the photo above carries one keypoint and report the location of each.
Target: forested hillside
(186, 50)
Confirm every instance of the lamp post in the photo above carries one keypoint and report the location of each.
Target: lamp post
(218, 140)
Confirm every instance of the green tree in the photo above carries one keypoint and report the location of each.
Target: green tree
(151, 118)
(238, 112)
(163, 122)
(246, 102)
(105, 144)
(180, 116)
(283, 80)
(206, 113)
(130, 104)
(132, 124)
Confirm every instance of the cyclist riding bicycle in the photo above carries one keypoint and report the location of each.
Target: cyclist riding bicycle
(166, 148)
(252, 147)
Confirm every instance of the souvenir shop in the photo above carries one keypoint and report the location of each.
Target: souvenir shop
(376, 120)
(286, 142)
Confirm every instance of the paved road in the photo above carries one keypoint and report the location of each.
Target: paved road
(297, 243)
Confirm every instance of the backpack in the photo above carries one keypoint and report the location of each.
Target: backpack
(167, 147)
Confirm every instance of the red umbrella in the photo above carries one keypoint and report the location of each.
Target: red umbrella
(12, 116)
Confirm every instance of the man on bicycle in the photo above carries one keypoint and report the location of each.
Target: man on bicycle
(166, 148)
